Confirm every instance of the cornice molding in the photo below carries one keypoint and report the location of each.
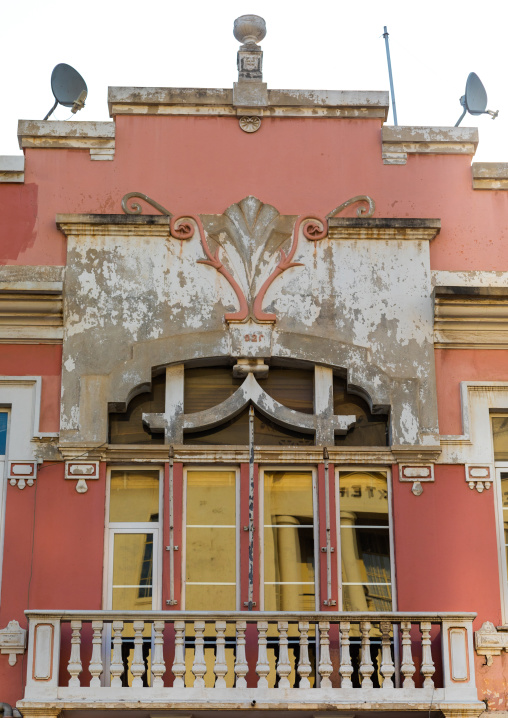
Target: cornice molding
(366, 456)
(31, 306)
(220, 102)
(113, 225)
(383, 228)
(469, 321)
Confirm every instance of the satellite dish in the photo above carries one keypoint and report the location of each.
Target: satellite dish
(68, 87)
(475, 99)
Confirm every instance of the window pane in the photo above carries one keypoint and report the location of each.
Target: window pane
(134, 496)
(3, 432)
(500, 436)
(365, 542)
(289, 570)
(132, 571)
(211, 540)
(504, 490)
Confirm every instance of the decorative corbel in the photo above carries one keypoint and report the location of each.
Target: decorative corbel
(82, 471)
(489, 642)
(416, 474)
(12, 641)
(479, 477)
(23, 473)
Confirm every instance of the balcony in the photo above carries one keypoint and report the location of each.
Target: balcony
(306, 662)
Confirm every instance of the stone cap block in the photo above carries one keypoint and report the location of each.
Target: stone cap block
(53, 133)
(429, 134)
(490, 175)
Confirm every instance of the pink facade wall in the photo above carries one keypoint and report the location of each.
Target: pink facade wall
(295, 164)
(454, 366)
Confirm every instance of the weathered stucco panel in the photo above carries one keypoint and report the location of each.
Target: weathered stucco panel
(137, 298)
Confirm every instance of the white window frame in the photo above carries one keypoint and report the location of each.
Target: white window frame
(501, 467)
(208, 468)
(261, 532)
(360, 468)
(3, 484)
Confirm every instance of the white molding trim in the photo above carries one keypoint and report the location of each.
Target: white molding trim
(475, 445)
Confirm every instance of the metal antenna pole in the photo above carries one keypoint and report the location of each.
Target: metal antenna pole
(392, 92)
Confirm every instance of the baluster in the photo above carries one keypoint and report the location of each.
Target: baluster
(427, 669)
(387, 667)
(95, 666)
(283, 664)
(346, 667)
(220, 668)
(74, 666)
(199, 665)
(117, 668)
(262, 666)
(138, 664)
(304, 667)
(178, 668)
(158, 664)
(366, 665)
(325, 663)
(408, 666)
(241, 665)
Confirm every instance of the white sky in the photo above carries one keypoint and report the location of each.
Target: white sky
(323, 44)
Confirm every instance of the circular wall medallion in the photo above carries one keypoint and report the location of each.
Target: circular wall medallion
(250, 124)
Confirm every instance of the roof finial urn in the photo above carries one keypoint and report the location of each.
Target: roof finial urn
(249, 29)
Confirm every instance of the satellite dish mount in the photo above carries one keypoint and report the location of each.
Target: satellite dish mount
(475, 99)
(69, 88)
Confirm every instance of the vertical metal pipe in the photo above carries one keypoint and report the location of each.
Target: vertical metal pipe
(328, 602)
(172, 600)
(392, 92)
(251, 509)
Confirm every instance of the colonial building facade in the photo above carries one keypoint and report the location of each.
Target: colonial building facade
(253, 409)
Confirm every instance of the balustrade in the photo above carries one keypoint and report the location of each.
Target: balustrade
(389, 657)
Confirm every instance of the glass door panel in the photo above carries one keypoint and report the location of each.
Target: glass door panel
(365, 542)
(210, 550)
(288, 541)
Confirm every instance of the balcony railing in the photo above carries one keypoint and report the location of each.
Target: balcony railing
(264, 661)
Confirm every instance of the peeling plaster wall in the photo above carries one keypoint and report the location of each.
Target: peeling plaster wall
(136, 298)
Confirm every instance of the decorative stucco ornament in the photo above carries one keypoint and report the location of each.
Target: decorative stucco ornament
(250, 123)
(12, 641)
(242, 244)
